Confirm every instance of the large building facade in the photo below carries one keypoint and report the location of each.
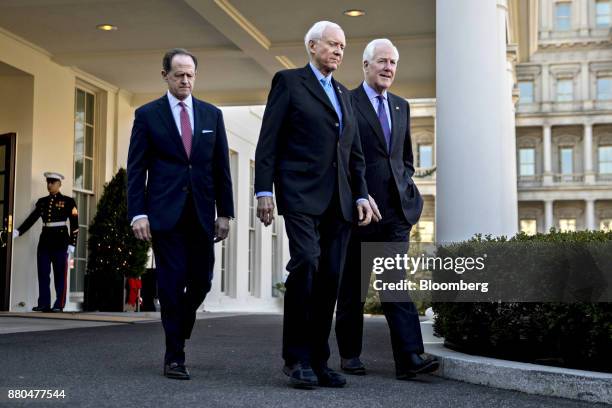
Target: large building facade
(563, 105)
(564, 120)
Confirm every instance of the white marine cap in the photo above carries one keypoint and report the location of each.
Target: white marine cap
(53, 175)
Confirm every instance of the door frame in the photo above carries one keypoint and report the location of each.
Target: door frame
(5, 284)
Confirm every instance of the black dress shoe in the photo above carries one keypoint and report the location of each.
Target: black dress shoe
(352, 366)
(57, 310)
(414, 365)
(300, 375)
(41, 309)
(328, 377)
(176, 371)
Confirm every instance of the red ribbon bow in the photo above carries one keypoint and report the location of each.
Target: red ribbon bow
(134, 284)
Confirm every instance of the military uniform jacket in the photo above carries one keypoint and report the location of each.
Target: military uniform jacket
(54, 209)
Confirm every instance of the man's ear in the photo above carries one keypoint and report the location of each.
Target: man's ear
(164, 75)
(311, 45)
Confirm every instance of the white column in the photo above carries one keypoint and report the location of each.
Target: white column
(547, 143)
(549, 220)
(473, 115)
(545, 19)
(264, 249)
(545, 97)
(590, 214)
(589, 175)
(583, 23)
(585, 84)
(240, 260)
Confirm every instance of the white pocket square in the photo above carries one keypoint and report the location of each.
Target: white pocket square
(207, 131)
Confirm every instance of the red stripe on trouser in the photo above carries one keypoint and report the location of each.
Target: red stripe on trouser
(63, 301)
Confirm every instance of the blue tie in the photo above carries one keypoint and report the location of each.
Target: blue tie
(329, 90)
(384, 122)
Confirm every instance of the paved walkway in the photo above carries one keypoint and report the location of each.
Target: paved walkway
(234, 362)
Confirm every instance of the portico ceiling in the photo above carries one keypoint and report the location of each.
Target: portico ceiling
(240, 43)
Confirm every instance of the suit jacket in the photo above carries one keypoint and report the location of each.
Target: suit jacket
(300, 149)
(388, 174)
(161, 176)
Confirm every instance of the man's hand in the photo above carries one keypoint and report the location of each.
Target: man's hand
(15, 233)
(375, 212)
(141, 229)
(265, 210)
(364, 212)
(221, 228)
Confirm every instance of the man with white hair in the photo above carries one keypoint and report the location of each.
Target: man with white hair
(309, 149)
(384, 127)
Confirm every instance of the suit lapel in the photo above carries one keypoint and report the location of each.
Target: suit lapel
(166, 116)
(314, 87)
(396, 121)
(367, 110)
(341, 95)
(198, 118)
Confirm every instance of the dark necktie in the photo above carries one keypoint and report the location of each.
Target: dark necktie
(384, 122)
(186, 132)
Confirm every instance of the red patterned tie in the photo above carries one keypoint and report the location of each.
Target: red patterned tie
(186, 132)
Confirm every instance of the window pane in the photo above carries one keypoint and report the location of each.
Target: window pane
(78, 172)
(602, 14)
(90, 109)
(605, 159)
(425, 156)
(604, 88)
(526, 91)
(562, 16)
(89, 133)
(80, 106)
(79, 139)
(527, 162)
(529, 227)
(424, 231)
(81, 250)
(606, 224)
(2, 157)
(564, 90)
(566, 155)
(88, 176)
(567, 224)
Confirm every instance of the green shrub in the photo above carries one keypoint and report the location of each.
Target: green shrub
(577, 335)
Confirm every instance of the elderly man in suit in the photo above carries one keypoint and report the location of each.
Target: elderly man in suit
(309, 149)
(384, 126)
(178, 174)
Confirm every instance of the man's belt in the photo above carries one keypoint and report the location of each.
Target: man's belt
(55, 224)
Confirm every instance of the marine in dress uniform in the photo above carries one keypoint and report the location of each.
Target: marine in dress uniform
(56, 241)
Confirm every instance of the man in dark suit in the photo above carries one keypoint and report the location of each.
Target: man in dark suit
(384, 127)
(178, 172)
(309, 149)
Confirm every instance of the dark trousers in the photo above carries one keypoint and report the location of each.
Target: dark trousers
(317, 245)
(58, 257)
(402, 317)
(184, 259)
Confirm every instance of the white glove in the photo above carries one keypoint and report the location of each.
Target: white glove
(71, 249)
(15, 233)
